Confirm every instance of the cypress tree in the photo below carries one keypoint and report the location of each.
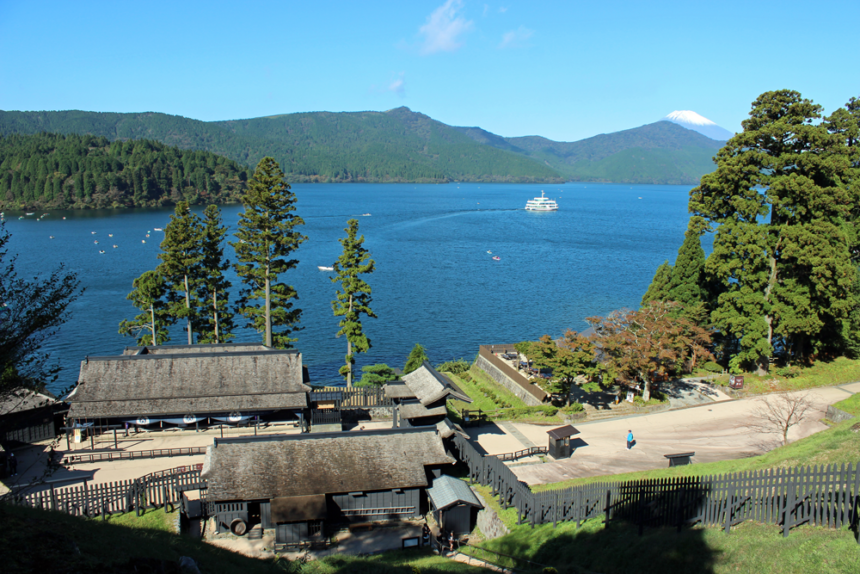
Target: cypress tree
(416, 358)
(354, 298)
(148, 295)
(659, 288)
(181, 265)
(214, 286)
(266, 238)
(688, 274)
(781, 254)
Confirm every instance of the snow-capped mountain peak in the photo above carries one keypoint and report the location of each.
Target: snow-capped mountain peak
(693, 121)
(689, 117)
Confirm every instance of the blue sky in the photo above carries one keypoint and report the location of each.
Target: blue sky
(565, 70)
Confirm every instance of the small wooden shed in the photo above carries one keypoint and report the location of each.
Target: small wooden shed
(559, 441)
(455, 507)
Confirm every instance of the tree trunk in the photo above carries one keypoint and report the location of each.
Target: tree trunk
(349, 350)
(215, 308)
(152, 316)
(646, 389)
(188, 306)
(268, 309)
(763, 363)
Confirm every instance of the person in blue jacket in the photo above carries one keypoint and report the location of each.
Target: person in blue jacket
(629, 439)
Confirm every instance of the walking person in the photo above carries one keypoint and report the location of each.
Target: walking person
(13, 464)
(629, 439)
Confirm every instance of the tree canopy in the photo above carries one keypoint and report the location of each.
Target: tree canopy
(149, 294)
(416, 358)
(265, 240)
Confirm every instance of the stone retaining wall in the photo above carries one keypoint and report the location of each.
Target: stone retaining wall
(489, 523)
(837, 415)
(497, 375)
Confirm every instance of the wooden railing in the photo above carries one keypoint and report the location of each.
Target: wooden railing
(133, 454)
(522, 453)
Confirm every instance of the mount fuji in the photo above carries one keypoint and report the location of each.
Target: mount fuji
(693, 121)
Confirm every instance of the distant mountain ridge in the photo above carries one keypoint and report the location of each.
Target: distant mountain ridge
(693, 121)
(400, 145)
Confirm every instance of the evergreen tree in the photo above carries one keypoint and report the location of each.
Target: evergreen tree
(416, 358)
(688, 284)
(659, 288)
(354, 298)
(214, 286)
(376, 375)
(148, 295)
(266, 238)
(181, 267)
(781, 254)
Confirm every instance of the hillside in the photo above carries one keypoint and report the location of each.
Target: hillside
(394, 146)
(662, 153)
(81, 171)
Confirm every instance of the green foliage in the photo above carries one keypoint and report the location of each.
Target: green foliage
(659, 288)
(213, 290)
(354, 298)
(538, 412)
(712, 367)
(458, 367)
(180, 266)
(789, 372)
(393, 146)
(266, 238)
(781, 202)
(31, 311)
(416, 358)
(150, 326)
(84, 171)
(376, 375)
(572, 408)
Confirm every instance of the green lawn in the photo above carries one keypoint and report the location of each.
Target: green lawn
(500, 404)
(821, 374)
(850, 405)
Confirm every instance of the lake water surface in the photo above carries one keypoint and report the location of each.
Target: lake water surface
(435, 282)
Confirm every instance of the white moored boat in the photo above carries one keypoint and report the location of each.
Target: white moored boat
(324, 268)
(541, 204)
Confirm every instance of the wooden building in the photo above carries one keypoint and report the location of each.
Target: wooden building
(28, 417)
(189, 385)
(297, 484)
(455, 507)
(421, 395)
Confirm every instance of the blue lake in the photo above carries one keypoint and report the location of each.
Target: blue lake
(435, 282)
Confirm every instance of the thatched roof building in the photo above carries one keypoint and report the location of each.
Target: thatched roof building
(167, 382)
(269, 467)
(185, 349)
(427, 385)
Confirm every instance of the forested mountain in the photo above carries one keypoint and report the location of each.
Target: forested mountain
(394, 146)
(661, 152)
(79, 171)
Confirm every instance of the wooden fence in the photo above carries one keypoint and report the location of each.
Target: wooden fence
(354, 398)
(133, 454)
(826, 496)
(151, 491)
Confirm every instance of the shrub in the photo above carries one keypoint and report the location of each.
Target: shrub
(712, 367)
(788, 372)
(572, 408)
(512, 413)
(456, 367)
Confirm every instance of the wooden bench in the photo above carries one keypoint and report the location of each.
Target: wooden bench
(680, 458)
(361, 526)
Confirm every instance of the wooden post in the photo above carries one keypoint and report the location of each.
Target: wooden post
(608, 509)
(790, 497)
(53, 498)
(114, 440)
(729, 506)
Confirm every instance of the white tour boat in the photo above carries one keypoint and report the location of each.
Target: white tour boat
(541, 204)
(324, 268)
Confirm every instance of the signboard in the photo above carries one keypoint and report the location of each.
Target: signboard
(629, 396)
(736, 381)
(77, 436)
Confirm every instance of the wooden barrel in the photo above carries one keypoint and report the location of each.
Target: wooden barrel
(238, 527)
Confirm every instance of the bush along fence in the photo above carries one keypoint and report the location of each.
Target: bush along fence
(821, 496)
(156, 490)
(507, 376)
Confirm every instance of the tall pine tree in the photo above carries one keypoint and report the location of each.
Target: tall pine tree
(354, 297)
(216, 317)
(659, 288)
(266, 238)
(180, 266)
(149, 295)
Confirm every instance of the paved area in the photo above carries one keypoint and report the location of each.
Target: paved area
(715, 431)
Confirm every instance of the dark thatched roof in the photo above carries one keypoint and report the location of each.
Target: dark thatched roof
(267, 467)
(448, 491)
(416, 410)
(429, 386)
(190, 383)
(21, 400)
(398, 391)
(185, 349)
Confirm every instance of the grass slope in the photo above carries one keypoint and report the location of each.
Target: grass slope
(829, 373)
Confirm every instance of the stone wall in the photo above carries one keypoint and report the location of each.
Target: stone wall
(489, 523)
(504, 380)
(837, 415)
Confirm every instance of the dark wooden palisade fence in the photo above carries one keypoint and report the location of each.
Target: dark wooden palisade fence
(823, 496)
(154, 490)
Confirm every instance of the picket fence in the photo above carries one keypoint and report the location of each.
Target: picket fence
(826, 496)
(156, 490)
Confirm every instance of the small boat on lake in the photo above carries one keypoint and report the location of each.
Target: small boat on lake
(496, 258)
(93, 232)
(490, 252)
(31, 213)
(114, 246)
(365, 215)
(110, 234)
(541, 203)
(158, 229)
(143, 240)
(324, 268)
(101, 251)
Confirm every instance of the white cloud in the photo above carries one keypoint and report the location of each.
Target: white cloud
(444, 27)
(398, 85)
(516, 38)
